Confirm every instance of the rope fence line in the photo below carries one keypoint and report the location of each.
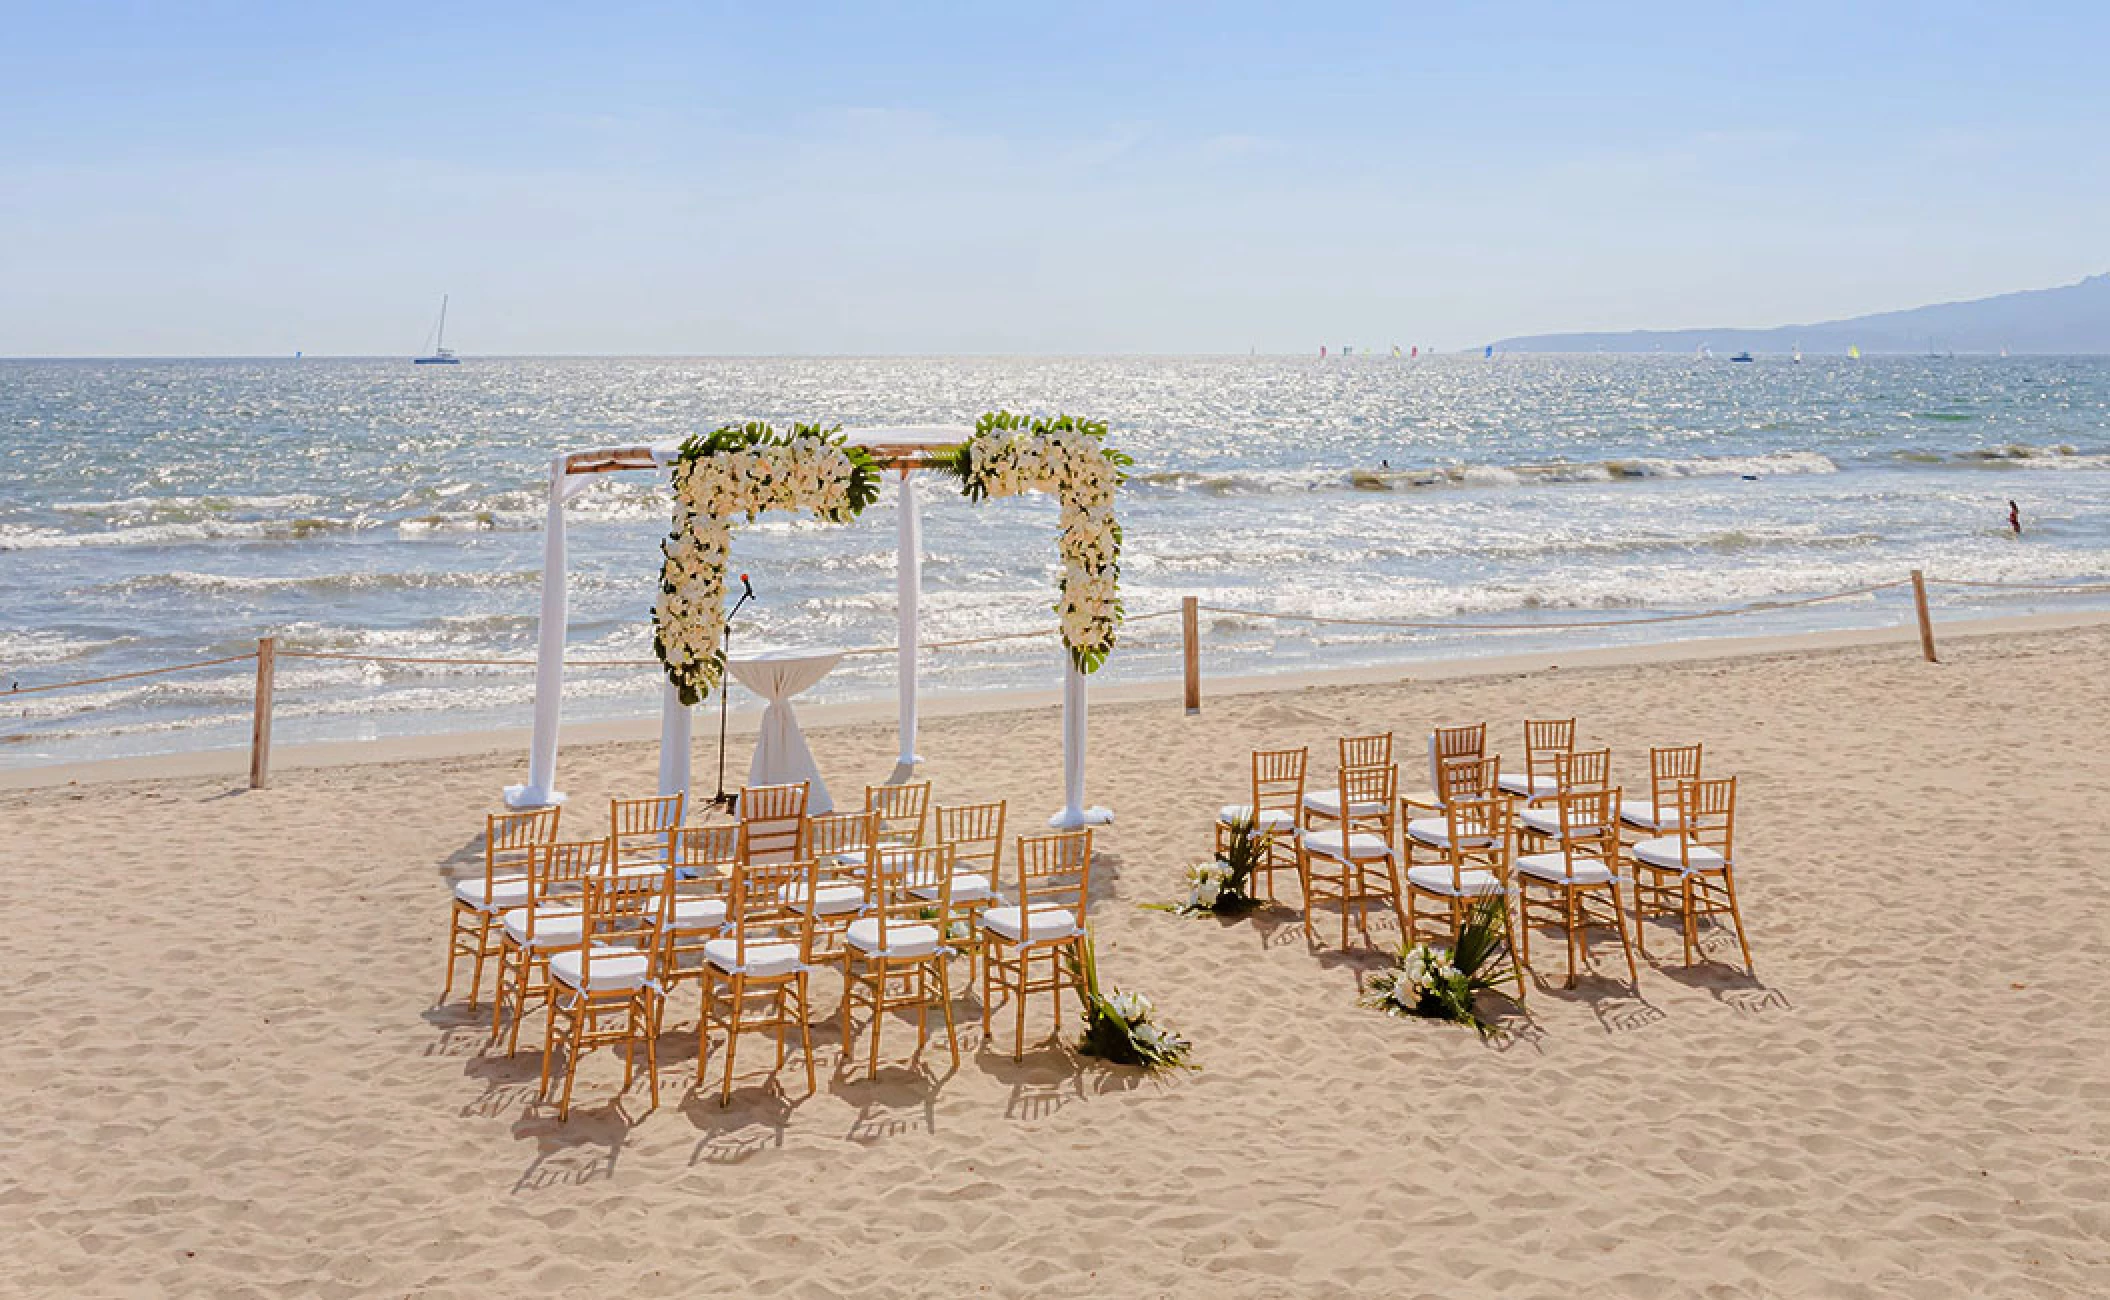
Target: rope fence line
(1757, 607)
(126, 677)
(268, 650)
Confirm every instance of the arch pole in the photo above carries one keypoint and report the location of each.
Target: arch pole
(539, 790)
(1075, 714)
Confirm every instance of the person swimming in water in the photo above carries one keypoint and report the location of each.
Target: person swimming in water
(2014, 518)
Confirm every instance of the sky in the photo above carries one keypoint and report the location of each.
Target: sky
(230, 179)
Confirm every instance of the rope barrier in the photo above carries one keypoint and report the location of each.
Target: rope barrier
(1454, 625)
(126, 677)
(2024, 586)
(477, 663)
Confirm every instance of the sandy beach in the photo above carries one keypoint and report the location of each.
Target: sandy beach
(228, 1076)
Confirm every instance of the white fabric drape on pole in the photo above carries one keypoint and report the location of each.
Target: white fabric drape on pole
(781, 755)
(674, 736)
(1075, 711)
(908, 586)
(540, 791)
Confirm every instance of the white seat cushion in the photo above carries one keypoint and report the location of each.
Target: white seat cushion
(1327, 803)
(1360, 847)
(903, 940)
(764, 960)
(1531, 787)
(834, 900)
(967, 887)
(1047, 923)
(507, 892)
(1547, 821)
(1554, 867)
(614, 969)
(1473, 882)
(1437, 831)
(1641, 813)
(554, 927)
(698, 914)
(1270, 819)
(1664, 853)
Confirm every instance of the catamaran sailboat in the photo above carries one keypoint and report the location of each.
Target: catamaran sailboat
(439, 356)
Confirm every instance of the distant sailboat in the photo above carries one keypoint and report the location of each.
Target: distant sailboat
(1797, 358)
(439, 356)
(1853, 351)
(1703, 353)
(1488, 353)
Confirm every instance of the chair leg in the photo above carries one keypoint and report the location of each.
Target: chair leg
(1633, 972)
(732, 1037)
(1736, 916)
(454, 933)
(1573, 921)
(1640, 914)
(806, 1031)
(527, 962)
(651, 1026)
(1025, 968)
(952, 1037)
(476, 973)
(703, 1027)
(571, 1056)
(849, 996)
(879, 974)
(1691, 920)
(549, 1048)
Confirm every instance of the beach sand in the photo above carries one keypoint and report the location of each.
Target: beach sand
(226, 1075)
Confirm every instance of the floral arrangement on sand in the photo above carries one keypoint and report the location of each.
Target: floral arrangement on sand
(1223, 886)
(1066, 457)
(1443, 985)
(1122, 1027)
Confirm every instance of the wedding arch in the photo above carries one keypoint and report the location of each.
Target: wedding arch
(737, 472)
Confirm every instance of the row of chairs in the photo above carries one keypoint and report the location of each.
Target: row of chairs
(597, 933)
(1556, 839)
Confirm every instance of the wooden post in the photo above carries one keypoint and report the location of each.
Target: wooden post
(1191, 644)
(1919, 601)
(260, 726)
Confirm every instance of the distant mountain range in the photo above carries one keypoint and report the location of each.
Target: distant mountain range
(2074, 318)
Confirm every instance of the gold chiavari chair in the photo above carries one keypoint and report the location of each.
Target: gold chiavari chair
(1322, 808)
(605, 992)
(550, 922)
(842, 844)
(1464, 777)
(1445, 745)
(1354, 863)
(1545, 741)
(640, 831)
(703, 867)
(1473, 864)
(510, 841)
(755, 975)
(1668, 766)
(894, 955)
(975, 834)
(1576, 884)
(1030, 946)
(1692, 874)
(1584, 770)
(772, 822)
(1276, 794)
(903, 811)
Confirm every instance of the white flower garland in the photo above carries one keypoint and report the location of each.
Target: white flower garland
(743, 470)
(740, 470)
(1066, 457)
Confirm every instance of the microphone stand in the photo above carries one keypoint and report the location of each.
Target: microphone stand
(722, 799)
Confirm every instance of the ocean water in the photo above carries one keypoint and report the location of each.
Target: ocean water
(159, 512)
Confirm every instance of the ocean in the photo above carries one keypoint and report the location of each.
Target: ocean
(159, 512)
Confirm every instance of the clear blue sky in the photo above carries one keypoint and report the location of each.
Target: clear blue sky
(255, 179)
